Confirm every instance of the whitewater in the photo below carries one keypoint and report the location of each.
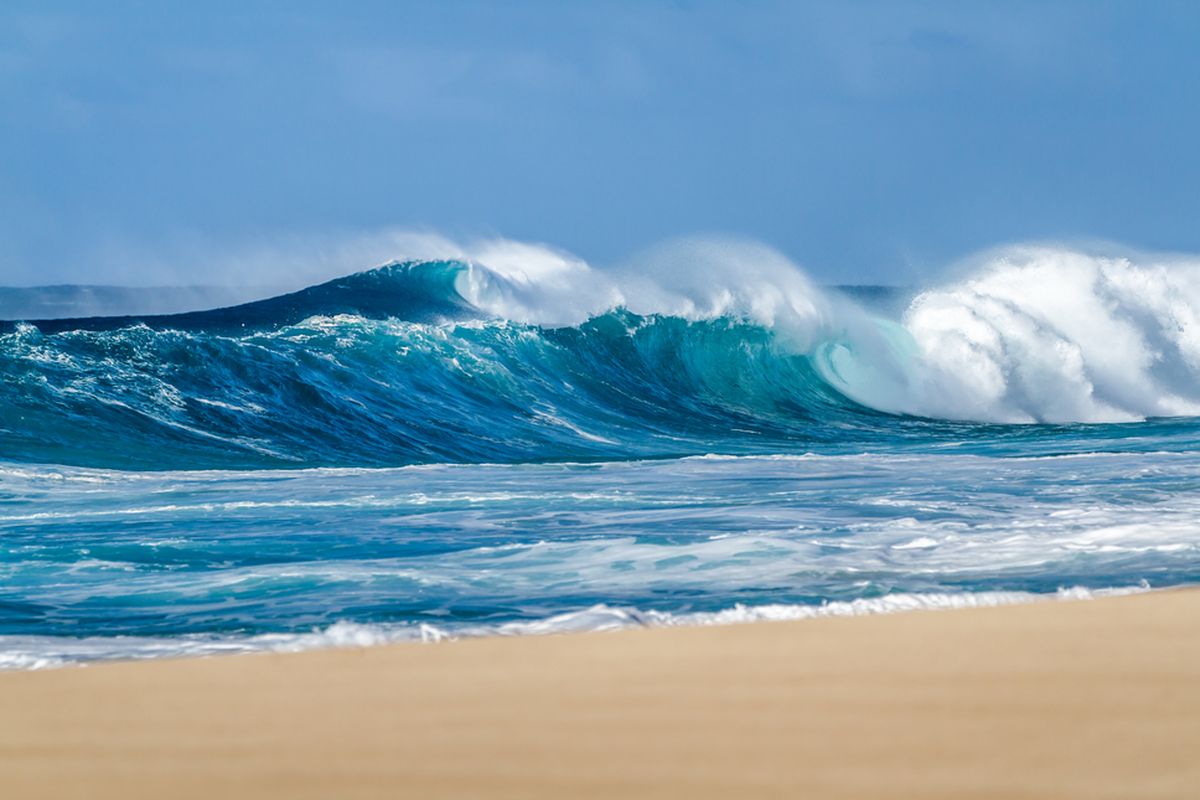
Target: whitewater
(502, 439)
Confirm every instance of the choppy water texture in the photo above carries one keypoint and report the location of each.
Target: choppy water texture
(524, 443)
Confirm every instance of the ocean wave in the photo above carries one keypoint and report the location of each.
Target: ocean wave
(1041, 334)
(529, 354)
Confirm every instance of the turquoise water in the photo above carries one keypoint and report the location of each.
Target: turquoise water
(420, 451)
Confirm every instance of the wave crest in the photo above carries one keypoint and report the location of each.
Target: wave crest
(526, 353)
(1049, 335)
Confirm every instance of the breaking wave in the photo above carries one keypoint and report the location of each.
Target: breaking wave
(529, 354)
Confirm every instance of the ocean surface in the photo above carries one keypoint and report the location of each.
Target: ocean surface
(520, 443)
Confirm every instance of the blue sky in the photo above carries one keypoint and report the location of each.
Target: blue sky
(144, 142)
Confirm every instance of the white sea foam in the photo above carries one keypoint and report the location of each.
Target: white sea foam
(1047, 334)
(47, 652)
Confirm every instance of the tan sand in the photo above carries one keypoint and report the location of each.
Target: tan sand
(1088, 699)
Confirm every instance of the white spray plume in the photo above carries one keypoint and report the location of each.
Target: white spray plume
(1049, 334)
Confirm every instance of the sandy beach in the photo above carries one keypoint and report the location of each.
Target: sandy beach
(1095, 699)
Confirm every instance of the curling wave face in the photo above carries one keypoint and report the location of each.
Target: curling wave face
(534, 356)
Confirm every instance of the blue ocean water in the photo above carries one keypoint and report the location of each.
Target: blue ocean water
(451, 447)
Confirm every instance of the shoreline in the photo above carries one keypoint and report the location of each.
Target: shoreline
(61, 652)
(1069, 699)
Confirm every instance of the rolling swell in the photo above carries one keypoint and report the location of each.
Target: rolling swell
(544, 359)
(375, 370)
